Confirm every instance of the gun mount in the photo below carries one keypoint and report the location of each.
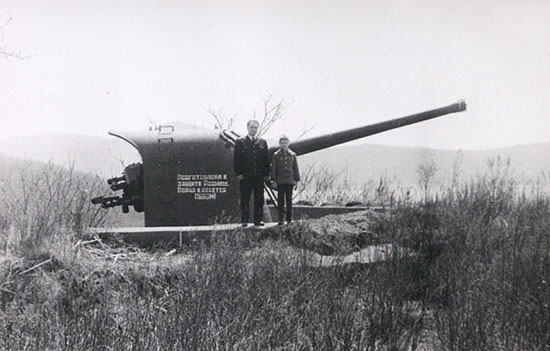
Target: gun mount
(131, 184)
(186, 176)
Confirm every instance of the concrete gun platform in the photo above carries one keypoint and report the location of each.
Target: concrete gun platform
(147, 236)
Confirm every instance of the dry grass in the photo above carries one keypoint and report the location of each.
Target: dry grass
(222, 296)
(479, 280)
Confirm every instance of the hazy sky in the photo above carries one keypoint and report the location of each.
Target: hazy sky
(100, 65)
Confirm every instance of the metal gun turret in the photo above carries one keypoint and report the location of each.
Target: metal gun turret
(187, 176)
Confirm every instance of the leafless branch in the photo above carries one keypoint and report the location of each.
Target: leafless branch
(118, 158)
(305, 181)
(35, 266)
(222, 121)
(305, 131)
(272, 112)
(4, 50)
(153, 125)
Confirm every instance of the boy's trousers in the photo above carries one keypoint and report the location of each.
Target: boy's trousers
(285, 198)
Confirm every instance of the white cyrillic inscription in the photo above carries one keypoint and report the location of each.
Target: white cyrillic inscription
(203, 186)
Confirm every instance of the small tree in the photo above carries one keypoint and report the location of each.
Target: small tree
(272, 112)
(221, 120)
(426, 174)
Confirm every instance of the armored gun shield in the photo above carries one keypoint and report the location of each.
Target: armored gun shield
(188, 176)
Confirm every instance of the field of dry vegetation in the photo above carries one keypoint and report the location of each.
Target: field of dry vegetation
(476, 275)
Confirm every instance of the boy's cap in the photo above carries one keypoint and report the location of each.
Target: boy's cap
(284, 137)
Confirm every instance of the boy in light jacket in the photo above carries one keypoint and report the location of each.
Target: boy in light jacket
(285, 176)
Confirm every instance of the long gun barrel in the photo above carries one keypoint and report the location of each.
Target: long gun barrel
(321, 142)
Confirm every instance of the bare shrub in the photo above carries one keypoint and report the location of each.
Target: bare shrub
(483, 262)
(40, 201)
(426, 174)
(323, 186)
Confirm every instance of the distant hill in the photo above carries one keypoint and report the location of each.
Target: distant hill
(361, 162)
(366, 161)
(99, 155)
(37, 174)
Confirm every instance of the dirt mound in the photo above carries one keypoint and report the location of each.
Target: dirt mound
(330, 235)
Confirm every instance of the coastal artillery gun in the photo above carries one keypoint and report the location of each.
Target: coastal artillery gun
(186, 177)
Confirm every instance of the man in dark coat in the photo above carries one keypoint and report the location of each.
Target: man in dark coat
(251, 163)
